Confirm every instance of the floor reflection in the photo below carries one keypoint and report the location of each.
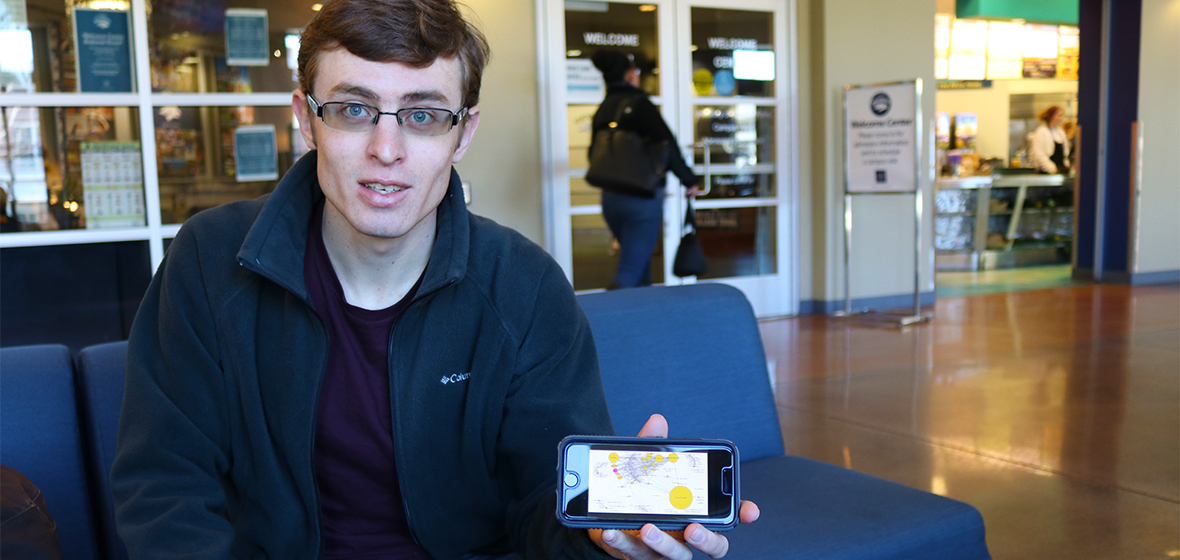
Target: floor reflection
(1055, 412)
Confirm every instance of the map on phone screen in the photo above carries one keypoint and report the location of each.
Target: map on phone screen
(648, 482)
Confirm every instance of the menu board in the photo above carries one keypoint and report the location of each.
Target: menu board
(1005, 51)
(1067, 54)
(1040, 51)
(966, 49)
(968, 58)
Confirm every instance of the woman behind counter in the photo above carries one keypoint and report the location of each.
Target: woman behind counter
(1049, 149)
(637, 222)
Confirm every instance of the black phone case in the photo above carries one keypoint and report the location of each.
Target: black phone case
(675, 525)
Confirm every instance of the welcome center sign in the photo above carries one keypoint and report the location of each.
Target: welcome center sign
(880, 136)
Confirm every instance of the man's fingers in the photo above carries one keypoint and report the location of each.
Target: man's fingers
(627, 545)
(749, 512)
(706, 541)
(656, 426)
(663, 545)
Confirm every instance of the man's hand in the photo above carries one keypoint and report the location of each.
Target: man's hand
(650, 543)
(689, 192)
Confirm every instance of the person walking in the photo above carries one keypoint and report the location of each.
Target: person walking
(634, 220)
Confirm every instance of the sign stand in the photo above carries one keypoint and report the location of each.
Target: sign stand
(882, 156)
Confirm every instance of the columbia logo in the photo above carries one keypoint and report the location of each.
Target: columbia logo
(455, 378)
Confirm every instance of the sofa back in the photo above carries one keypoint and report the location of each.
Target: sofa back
(692, 353)
(41, 439)
(101, 376)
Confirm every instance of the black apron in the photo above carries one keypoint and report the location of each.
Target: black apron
(1058, 158)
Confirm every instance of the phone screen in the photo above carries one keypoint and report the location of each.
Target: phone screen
(626, 482)
(650, 482)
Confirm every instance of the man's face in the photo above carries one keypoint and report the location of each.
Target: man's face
(384, 183)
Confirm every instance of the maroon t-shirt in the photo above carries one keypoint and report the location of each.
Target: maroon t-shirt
(360, 501)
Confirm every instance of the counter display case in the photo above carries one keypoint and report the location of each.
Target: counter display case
(1003, 221)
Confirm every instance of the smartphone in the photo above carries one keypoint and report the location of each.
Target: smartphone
(626, 482)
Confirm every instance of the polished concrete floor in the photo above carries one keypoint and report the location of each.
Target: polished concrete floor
(1055, 412)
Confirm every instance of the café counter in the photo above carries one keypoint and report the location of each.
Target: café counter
(1002, 221)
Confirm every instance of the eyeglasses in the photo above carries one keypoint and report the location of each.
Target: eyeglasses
(358, 117)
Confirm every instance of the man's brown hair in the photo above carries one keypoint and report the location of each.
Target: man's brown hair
(412, 32)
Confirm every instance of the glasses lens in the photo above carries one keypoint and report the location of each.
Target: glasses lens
(425, 122)
(349, 116)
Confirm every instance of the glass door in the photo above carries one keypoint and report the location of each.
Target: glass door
(718, 73)
(732, 82)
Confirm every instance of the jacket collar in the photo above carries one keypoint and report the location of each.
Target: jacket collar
(276, 243)
(621, 87)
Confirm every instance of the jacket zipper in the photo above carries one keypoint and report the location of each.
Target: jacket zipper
(397, 439)
(315, 483)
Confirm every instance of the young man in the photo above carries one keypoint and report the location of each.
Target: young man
(354, 366)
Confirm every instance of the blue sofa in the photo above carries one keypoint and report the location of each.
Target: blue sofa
(694, 354)
(691, 353)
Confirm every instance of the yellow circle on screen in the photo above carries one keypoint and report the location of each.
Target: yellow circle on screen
(681, 497)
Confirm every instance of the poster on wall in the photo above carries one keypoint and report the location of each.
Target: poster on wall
(255, 153)
(112, 185)
(103, 40)
(880, 137)
(245, 37)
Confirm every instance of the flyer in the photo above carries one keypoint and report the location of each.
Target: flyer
(255, 154)
(103, 41)
(246, 41)
(112, 185)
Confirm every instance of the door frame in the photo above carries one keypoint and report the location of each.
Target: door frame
(673, 31)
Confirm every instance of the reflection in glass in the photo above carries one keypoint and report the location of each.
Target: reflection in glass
(596, 255)
(71, 168)
(732, 53)
(741, 185)
(76, 295)
(197, 161)
(190, 51)
(40, 41)
(629, 28)
(740, 134)
(738, 241)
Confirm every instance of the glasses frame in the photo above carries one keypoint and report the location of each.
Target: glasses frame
(318, 109)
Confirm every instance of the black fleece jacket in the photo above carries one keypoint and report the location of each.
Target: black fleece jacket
(490, 366)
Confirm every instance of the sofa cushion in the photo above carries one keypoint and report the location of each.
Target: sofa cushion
(38, 413)
(811, 509)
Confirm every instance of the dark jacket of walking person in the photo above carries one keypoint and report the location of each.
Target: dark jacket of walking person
(635, 221)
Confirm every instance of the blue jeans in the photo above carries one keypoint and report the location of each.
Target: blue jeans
(638, 224)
